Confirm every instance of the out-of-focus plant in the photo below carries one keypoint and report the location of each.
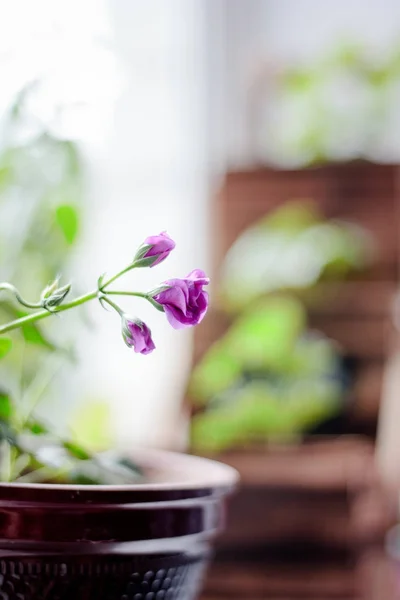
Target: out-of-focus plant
(41, 194)
(91, 425)
(338, 107)
(291, 249)
(270, 377)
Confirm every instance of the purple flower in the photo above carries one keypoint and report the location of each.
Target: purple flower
(184, 301)
(154, 250)
(137, 335)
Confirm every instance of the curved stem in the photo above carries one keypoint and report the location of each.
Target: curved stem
(13, 290)
(111, 303)
(45, 313)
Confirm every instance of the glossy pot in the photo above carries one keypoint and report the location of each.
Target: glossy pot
(148, 541)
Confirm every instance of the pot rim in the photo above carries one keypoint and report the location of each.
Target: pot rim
(183, 472)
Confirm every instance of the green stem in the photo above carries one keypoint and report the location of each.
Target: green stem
(43, 314)
(28, 319)
(111, 303)
(139, 295)
(7, 287)
(118, 275)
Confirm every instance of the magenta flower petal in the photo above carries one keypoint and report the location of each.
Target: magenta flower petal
(185, 302)
(174, 296)
(199, 277)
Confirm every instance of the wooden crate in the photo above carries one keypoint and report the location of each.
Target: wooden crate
(315, 494)
(362, 192)
(357, 313)
(296, 494)
(304, 524)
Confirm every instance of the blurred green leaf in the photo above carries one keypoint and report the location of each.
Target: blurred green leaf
(30, 331)
(349, 56)
(6, 174)
(6, 407)
(36, 427)
(262, 410)
(265, 335)
(33, 335)
(76, 450)
(68, 221)
(5, 346)
(215, 372)
(91, 425)
(299, 81)
(293, 217)
(293, 248)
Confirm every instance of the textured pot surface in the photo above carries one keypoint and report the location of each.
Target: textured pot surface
(148, 541)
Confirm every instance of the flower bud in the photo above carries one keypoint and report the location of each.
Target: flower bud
(51, 298)
(137, 335)
(50, 289)
(154, 250)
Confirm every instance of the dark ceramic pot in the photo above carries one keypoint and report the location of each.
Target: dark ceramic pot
(149, 541)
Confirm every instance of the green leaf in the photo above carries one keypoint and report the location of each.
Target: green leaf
(216, 372)
(5, 346)
(6, 407)
(36, 428)
(100, 281)
(76, 450)
(264, 336)
(30, 331)
(6, 174)
(91, 425)
(33, 335)
(68, 221)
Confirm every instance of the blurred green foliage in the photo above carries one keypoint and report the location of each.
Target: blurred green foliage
(266, 378)
(291, 249)
(90, 425)
(41, 199)
(269, 377)
(349, 92)
(41, 194)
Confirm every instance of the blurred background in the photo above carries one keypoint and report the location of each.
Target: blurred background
(264, 136)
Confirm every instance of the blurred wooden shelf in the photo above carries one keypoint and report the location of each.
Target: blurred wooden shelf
(322, 464)
(284, 581)
(304, 494)
(323, 495)
(370, 575)
(365, 299)
(359, 338)
(362, 192)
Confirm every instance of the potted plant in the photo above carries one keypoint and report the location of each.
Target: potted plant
(74, 524)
